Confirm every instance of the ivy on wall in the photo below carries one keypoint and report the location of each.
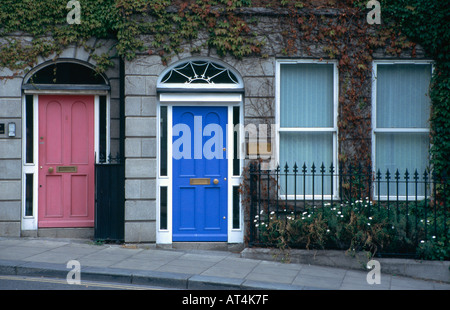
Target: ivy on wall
(427, 23)
(338, 27)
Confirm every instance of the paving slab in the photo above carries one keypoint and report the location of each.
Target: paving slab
(318, 281)
(19, 252)
(271, 277)
(398, 283)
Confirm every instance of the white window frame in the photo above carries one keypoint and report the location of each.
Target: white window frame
(333, 129)
(376, 130)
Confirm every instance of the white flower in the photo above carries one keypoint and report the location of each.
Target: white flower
(368, 224)
(421, 241)
(256, 225)
(273, 212)
(328, 230)
(370, 217)
(434, 237)
(342, 215)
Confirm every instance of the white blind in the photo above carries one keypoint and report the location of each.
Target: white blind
(306, 95)
(402, 103)
(402, 96)
(306, 102)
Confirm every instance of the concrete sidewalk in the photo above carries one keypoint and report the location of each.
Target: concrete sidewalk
(184, 269)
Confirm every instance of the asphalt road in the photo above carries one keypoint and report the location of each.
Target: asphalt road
(35, 283)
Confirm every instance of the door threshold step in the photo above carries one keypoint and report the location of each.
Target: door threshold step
(73, 233)
(208, 246)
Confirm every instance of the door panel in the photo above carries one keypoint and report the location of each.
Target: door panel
(79, 195)
(66, 161)
(79, 144)
(54, 203)
(199, 155)
(52, 114)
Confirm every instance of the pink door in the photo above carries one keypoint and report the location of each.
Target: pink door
(66, 161)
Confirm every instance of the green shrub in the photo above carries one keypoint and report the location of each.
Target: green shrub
(360, 226)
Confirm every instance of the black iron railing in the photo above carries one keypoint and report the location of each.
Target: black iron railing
(390, 213)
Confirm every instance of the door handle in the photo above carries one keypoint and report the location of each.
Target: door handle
(50, 170)
(216, 181)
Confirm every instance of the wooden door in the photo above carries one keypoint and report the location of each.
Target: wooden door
(66, 161)
(200, 171)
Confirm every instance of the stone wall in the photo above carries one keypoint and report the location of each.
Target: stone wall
(10, 157)
(141, 148)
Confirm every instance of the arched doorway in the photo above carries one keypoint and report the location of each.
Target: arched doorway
(65, 116)
(200, 109)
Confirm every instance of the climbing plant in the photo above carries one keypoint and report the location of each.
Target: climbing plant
(426, 22)
(335, 29)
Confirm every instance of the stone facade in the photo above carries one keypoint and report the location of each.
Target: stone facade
(140, 99)
(10, 156)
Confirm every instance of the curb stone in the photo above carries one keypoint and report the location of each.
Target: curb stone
(139, 277)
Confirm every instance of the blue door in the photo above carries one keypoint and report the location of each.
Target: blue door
(199, 165)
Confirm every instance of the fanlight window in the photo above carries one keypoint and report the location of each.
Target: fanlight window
(66, 75)
(199, 74)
